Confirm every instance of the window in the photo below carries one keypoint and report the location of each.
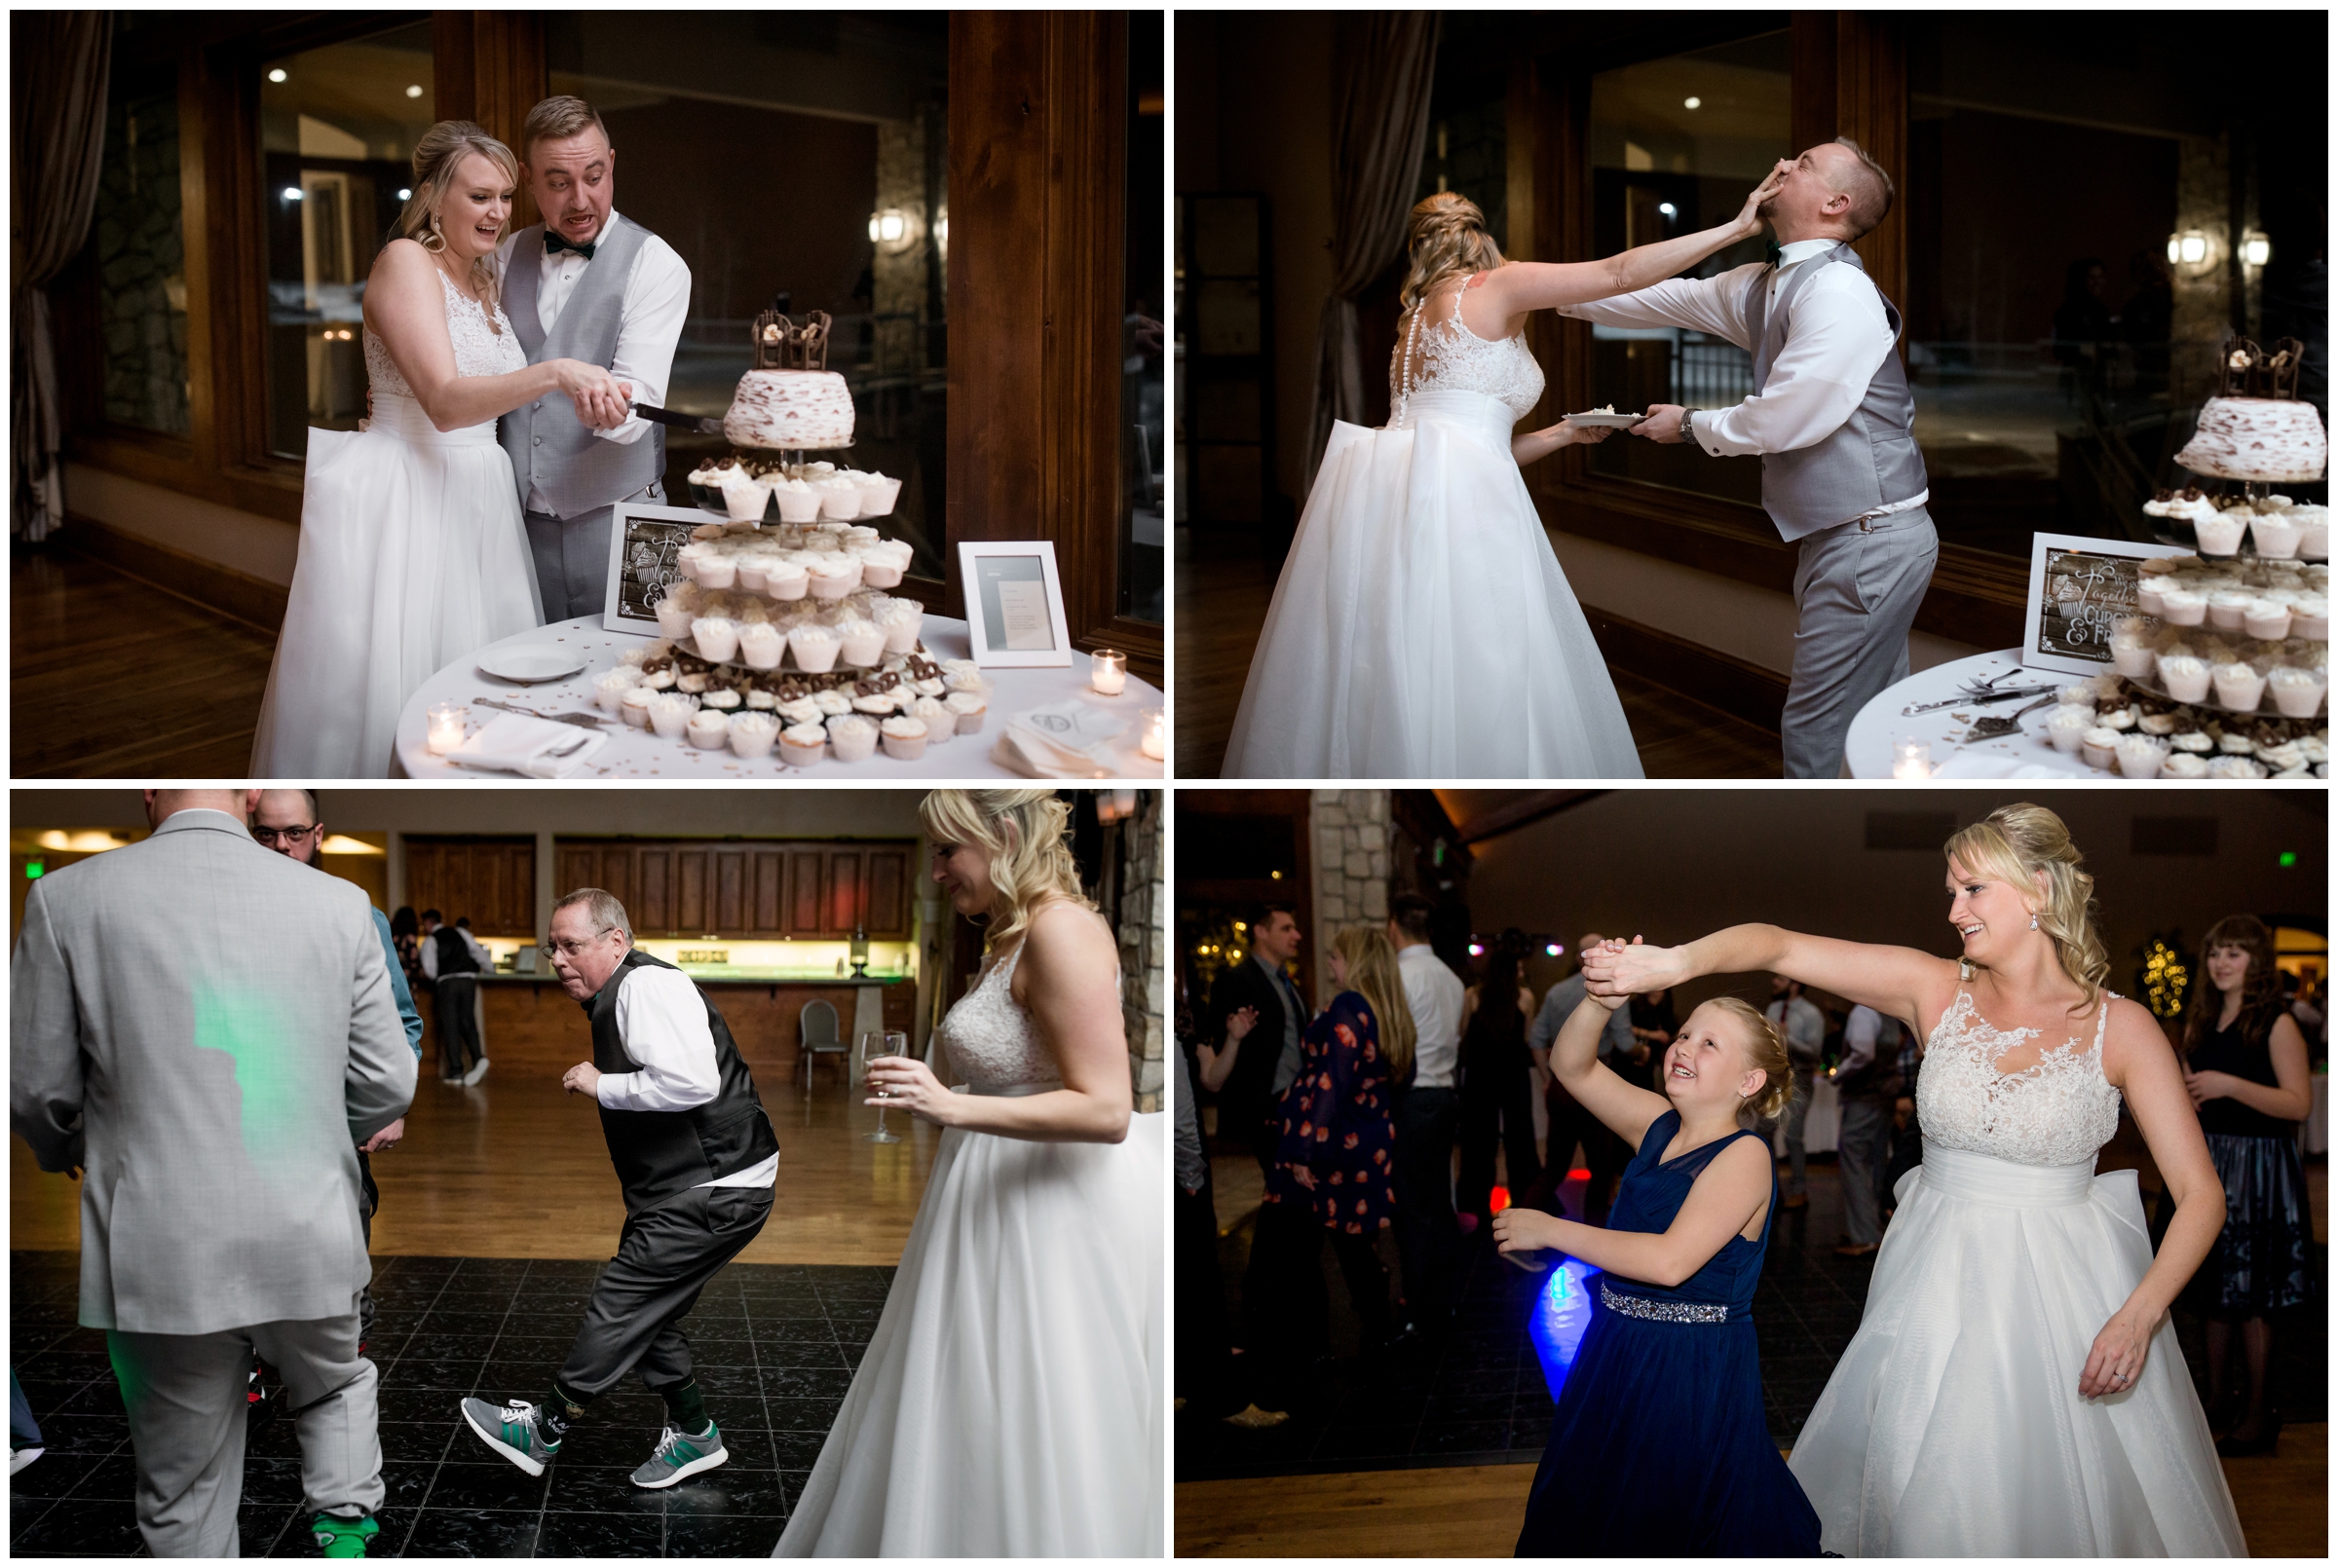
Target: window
(796, 161)
(1143, 400)
(337, 132)
(141, 263)
(1672, 146)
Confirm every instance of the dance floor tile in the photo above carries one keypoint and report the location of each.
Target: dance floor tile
(795, 1450)
(98, 1528)
(488, 1483)
(600, 1489)
(449, 1532)
(721, 1536)
(601, 1535)
(797, 1415)
(1464, 1438)
(276, 1530)
(726, 1491)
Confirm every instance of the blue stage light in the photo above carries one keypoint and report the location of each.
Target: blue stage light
(1561, 1314)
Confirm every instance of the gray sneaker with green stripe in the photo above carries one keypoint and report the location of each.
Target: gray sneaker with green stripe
(513, 1430)
(680, 1456)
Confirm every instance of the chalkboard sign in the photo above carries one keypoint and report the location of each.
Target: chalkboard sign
(643, 541)
(2078, 590)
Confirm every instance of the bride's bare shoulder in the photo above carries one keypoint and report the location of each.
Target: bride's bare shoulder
(1063, 932)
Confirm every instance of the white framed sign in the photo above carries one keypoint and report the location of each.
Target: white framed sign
(1014, 604)
(2077, 588)
(643, 541)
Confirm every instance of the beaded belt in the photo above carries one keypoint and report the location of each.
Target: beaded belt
(1640, 1306)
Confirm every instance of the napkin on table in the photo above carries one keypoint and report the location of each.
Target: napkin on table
(514, 743)
(1068, 739)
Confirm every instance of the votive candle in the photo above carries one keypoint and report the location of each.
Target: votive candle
(446, 727)
(1911, 759)
(1156, 741)
(1108, 671)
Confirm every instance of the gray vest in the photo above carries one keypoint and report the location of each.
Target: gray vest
(1870, 462)
(577, 471)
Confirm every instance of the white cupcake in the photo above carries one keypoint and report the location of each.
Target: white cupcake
(751, 734)
(2120, 718)
(798, 501)
(717, 638)
(814, 648)
(2265, 617)
(852, 736)
(718, 570)
(2236, 767)
(2310, 617)
(2192, 740)
(2140, 757)
(785, 580)
(2275, 536)
(2069, 723)
(799, 711)
(762, 645)
(2239, 685)
(840, 500)
(744, 496)
(2131, 656)
(2184, 765)
(2219, 532)
(671, 713)
(2228, 608)
(660, 679)
(877, 496)
(904, 738)
(832, 702)
(722, 697)
(2185, 676)
(752, 565)
(2297, 693)
(674, 615)
(931, 686)
(903, 619)
(634, 708)
(877, 568)
(876, 704)
(2100, 747)
(610, 688)
(2183, 607)
(802, 745)
(864, 641)
(941, 725)
(2313, 531)
(708, 728)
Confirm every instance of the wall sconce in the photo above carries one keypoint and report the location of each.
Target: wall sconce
(2189, 248)
(2255, 249)
(941, 232)
(892, 230)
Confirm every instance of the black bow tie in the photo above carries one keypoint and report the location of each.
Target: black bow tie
(553, 244)
(1773, 256)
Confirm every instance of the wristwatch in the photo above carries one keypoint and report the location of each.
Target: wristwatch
(1688, 431)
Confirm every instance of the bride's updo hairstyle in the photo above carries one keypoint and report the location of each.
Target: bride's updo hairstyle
(1765, 1048)
(1446, 239)
(2018, 844)
(1027, 836)
(436, 157)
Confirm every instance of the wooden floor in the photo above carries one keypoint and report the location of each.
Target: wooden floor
(1222, 602)
(516, 1168)
(1475, 1512)
(112, 678)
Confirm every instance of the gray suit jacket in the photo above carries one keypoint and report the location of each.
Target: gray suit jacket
(209, 1029)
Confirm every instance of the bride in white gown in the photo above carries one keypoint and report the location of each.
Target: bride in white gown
(1009, 1402)
(412, 551)
(1422, 627)
(2014, 1388)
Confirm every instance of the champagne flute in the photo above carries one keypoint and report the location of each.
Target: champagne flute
(875, 1046)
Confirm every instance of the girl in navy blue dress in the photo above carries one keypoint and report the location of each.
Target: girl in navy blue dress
(1659, 1445)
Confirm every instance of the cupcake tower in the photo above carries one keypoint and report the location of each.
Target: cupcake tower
(2255, 432)
(2243, 637)
(904, 702)
(2133, 733)
(789, 403)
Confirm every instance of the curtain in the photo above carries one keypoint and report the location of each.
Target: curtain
(1382, 63)
(59, 62)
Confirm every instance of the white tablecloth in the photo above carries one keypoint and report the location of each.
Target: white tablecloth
(639, 754)
(1868, 749)
(1823, 1125)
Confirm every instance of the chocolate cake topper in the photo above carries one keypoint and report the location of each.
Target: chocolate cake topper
(782, 345)
(2250, 372)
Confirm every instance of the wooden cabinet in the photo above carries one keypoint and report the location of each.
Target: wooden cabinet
(492, 880)
(810, 890)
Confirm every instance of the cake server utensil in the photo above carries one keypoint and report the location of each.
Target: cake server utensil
(1991, 725)
(590, 720)
(1968, 701)
(680, 422)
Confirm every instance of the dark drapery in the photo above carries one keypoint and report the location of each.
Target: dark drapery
(1382, 63)
(58, 66)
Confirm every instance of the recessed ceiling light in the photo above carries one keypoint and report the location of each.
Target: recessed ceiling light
(276, 75)
(1692, 104)
(414, 92)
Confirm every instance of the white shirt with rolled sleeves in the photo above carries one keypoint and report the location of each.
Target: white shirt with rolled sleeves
(1435, 996)
(1838, 339)
(657, 304)
(478, 954)
(661, 1019)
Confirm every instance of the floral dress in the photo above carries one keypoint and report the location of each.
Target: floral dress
(1337, 1122)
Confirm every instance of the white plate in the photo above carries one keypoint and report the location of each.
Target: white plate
(531, 664)
(1620, 422)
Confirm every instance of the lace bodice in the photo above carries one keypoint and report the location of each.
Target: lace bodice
(1446, 355)
(2058, 1112)
(479, 349)
(990, 1038)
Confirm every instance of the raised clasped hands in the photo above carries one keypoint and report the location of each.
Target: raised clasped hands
(1616, 969)
(602, 401)
(904, 1083)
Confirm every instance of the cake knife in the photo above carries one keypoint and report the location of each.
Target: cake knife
(680, 422)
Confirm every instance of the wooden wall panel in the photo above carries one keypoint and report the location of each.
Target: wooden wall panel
(767, 901)
(844, 912)
(489, 66)
(886, 891)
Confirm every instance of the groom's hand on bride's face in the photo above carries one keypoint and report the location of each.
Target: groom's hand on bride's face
(1662, 424)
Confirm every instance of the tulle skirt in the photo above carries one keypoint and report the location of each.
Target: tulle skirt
(1953, 1425)
(1422, 627)
(2259, 1264)
(1009, 1402)
(412, 554)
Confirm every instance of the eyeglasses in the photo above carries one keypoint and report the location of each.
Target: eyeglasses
(571, 948)
(292, 836)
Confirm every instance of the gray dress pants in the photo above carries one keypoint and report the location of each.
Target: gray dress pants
(572, 557)
(1861, 1150)
(1856, 588)
(664, 1257)
(184, 1393)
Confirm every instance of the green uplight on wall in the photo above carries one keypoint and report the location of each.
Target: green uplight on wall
(2289, 858)
(34, 870)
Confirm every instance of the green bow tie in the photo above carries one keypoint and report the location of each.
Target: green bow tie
(1774, 254)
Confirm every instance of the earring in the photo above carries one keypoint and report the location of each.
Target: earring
(2033, 923)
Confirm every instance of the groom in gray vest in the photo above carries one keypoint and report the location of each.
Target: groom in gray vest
(585, 284)
(1831, 419)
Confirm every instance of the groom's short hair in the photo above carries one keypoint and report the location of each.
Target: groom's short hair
(1869, 188)
(556, 119)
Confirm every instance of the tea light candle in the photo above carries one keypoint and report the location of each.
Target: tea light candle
(1156, 741)
(446, 727)
(1911, 759)
(1108, 671)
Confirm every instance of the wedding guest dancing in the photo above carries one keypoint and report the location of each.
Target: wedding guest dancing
(1428, 1118)
(586, 284)
(1660, 1446)
(211, 1031)
(411, 548)
(1009, 1402)
(697, 1158)
(2002, 1397)
(452, 961)
(1831, 419)
(1497, 1086)
(2245, 1062)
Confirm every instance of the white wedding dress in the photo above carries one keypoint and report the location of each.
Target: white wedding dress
(412, 554)
(1422, 627)
(1010, 1404)
(1953, 1425)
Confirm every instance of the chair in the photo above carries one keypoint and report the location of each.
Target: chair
(817, 1036)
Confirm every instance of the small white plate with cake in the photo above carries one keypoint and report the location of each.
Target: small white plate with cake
(1608, 417)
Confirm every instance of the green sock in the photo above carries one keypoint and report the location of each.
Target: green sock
(685, 1407)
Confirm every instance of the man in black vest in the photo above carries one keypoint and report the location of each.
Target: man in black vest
(451, 962)
(697, 1158)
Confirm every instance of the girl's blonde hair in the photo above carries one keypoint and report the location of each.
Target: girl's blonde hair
(1025, 833)
(2017, 842)
(1765, 1048)
(1372, 970)
(1447, 238)
(437, 157)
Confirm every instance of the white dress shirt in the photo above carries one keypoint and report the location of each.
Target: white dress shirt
(1435, 994)
(656, 303)
(1838, 339)
(430, 952)
(661, 1019)
(1861, 1030)
(1803, 1025)
(1559, 1004)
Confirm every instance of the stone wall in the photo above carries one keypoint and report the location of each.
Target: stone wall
(1352, 829)
(1145, 948)
(143, 289)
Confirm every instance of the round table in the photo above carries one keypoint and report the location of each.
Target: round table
(639, 754)
(1867, 748)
